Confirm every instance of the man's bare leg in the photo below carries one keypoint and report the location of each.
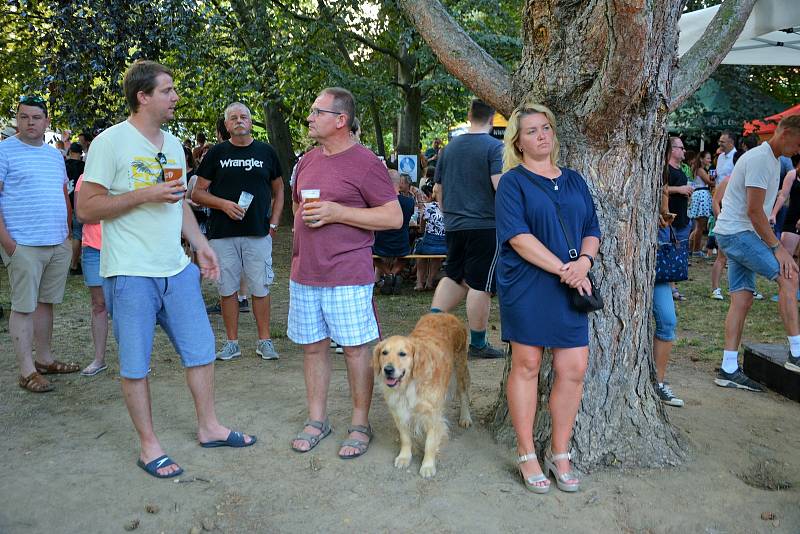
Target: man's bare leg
(317, 367)
(448, 294)
(201, 383)
(261, 311)
(361, 377)
(741, 301)
(787, 304)
(230, 315)
(137, 398)
(20, 327)
(43, 332)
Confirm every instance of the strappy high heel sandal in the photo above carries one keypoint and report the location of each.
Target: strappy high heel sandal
(533, 482)
(562, 479)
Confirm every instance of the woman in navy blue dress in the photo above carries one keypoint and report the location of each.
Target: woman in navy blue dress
(534, 273)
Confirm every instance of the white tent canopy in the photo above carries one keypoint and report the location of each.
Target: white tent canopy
(771, 35)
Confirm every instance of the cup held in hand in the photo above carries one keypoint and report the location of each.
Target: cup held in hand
(245, 199)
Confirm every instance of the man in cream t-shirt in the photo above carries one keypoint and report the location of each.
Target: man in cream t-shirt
(134, 183)
(745, 235)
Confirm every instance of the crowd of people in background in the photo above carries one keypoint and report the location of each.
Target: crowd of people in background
(143, 217)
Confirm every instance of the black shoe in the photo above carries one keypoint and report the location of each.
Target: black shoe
(214, 308)
(792, 363)
(244, 306)
(76, 271)
(664, 393)
(486, 352)
(387, 284)
(737, 379)
(396, 283)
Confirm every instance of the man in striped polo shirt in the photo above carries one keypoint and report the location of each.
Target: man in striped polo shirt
(34, 217)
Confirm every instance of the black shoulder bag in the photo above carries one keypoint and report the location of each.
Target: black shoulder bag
(582, 303)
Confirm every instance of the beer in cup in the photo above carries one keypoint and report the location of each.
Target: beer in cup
(309, 195)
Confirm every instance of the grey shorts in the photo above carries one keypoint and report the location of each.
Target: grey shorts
(251, 256)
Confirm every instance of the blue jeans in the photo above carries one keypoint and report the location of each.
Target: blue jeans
(664, 312)
(747, 256)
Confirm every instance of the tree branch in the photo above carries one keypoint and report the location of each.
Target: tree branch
(707, 53)
(459, 54)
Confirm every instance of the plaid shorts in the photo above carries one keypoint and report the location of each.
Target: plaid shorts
(343, 313)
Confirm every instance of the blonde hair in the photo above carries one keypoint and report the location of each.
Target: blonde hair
(512, 156)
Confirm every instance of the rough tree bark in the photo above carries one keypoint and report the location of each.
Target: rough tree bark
(607, 70)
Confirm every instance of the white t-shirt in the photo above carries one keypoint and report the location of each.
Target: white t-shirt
(146, 241)
(725, 165)
(756, 168)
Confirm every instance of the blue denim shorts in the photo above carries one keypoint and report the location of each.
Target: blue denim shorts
(138, 303)
(747, 256)
(90, 263)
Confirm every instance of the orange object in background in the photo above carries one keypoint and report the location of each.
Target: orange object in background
(764, 128)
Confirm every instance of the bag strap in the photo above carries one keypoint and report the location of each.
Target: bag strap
(573, 253)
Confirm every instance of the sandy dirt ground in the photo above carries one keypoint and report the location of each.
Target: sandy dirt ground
(69, 456)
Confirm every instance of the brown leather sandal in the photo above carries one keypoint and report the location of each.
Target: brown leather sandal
(57, 368)
(35, 383)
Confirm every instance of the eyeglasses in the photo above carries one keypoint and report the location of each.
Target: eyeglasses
(316, 111)
(161, 159)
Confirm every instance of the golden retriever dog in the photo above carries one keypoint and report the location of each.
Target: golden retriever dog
(416, 371)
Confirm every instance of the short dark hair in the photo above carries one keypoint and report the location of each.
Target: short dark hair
(141, 76)
(480, 111)
(751, 141)
(75, 148)
(201, 137)
(33, 100)
(343, 102)
(87, 135)
(729, 134)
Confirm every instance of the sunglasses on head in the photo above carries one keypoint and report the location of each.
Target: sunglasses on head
(31, 100)
(161, 159)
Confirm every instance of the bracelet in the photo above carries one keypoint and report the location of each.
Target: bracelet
(775, 246)
(591, 259)
(273, 226)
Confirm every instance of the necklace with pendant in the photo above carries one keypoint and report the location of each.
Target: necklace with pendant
(554, 181)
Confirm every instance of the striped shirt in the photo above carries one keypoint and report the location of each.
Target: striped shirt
(32, 199)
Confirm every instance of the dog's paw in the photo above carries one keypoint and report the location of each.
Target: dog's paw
(401, 462)
(465, 422)
(427, 471)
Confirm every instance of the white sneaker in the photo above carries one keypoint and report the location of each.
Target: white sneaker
(229, 351)
(757, 296)
(717, 294)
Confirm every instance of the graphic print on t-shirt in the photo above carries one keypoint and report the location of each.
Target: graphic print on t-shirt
(145, 171)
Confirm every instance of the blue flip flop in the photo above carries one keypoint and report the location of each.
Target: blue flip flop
(234, 439)
(162, 461)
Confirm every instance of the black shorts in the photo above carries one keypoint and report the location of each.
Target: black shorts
(471, 258)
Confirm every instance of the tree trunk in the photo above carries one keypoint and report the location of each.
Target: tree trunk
(605, 71)
(378, 124)
(409, 119)
(281, 140)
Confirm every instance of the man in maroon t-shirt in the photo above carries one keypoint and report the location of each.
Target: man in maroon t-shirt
(343, 194)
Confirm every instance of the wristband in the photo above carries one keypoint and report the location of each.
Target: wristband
(273, 226)
(591, 259)
(775, 246)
